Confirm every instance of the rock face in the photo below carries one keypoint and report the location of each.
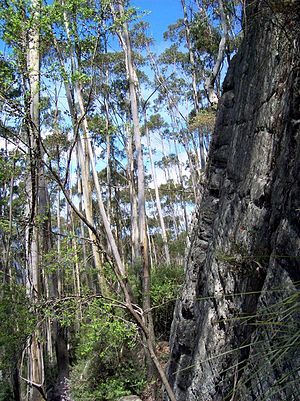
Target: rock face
(130, 398)
(235, 333)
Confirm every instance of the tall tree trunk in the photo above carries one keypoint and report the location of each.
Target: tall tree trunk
(236, 326)
(182, 194)
(211, 79)
(87, 279)
(49, 279)
(194, 80)
(107, 227)
(194, 163)
(36, 366)
(143, 237)
(84, 158)
(135, 252)
(157, 198)
(59, 271)
(133, 89)
(7, 254)
(83, 154)
(166, 170)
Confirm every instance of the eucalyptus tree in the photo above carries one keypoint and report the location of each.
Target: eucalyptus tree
(73, 24)
(118, 12)
(76, 85)
(148, 127)
(14, 305)
(35, 188)
(22, 24)
(208, 32)
(10, 162)
(117, 109)
(83, 62)
(194, 78)
(173, 92)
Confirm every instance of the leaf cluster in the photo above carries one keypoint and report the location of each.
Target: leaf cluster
(204, 120)
(205, 36)
(16, 323)
(106, 366)
(166, 282)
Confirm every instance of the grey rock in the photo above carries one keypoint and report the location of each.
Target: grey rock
(130, 398)
(232, 334)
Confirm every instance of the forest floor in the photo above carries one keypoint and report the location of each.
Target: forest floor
(152, 392)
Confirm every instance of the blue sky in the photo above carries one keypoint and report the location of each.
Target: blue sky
(162, 14)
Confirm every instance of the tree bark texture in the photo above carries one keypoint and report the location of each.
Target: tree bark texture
(235, 331)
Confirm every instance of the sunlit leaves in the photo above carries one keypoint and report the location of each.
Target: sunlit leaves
(204, 120)
(206, 37)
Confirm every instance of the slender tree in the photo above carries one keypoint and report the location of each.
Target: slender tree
(157, 197)
(133, 95)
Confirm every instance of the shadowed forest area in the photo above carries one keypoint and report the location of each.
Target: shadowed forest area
(149, 201)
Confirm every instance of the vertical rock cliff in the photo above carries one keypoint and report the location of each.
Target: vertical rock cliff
(235, 333)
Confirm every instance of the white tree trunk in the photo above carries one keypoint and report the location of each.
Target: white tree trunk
(36, 372)
(157, 199)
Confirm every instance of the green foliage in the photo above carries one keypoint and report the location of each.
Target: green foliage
(16, 324)
(5, 390)
(16, 319)
(13, 21)
(178, 246)
(175, 32)
(125, 381)
(203, 120)
(9, 89)
(4, 226)
(156, 122)
(165, 284)
(174, 56)
(106, 329)
(139, 38)
(107, 366)
(205, 36)
(63, 310)
(65, 261)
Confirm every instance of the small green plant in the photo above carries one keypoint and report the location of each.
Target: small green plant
(204, 119)
(165, 284)
(239, 260)
(16, 324)
(107, 366)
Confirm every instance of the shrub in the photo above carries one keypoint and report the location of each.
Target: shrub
(165, 284)
(107, 364)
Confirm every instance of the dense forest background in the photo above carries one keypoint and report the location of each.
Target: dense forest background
(104, 146)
